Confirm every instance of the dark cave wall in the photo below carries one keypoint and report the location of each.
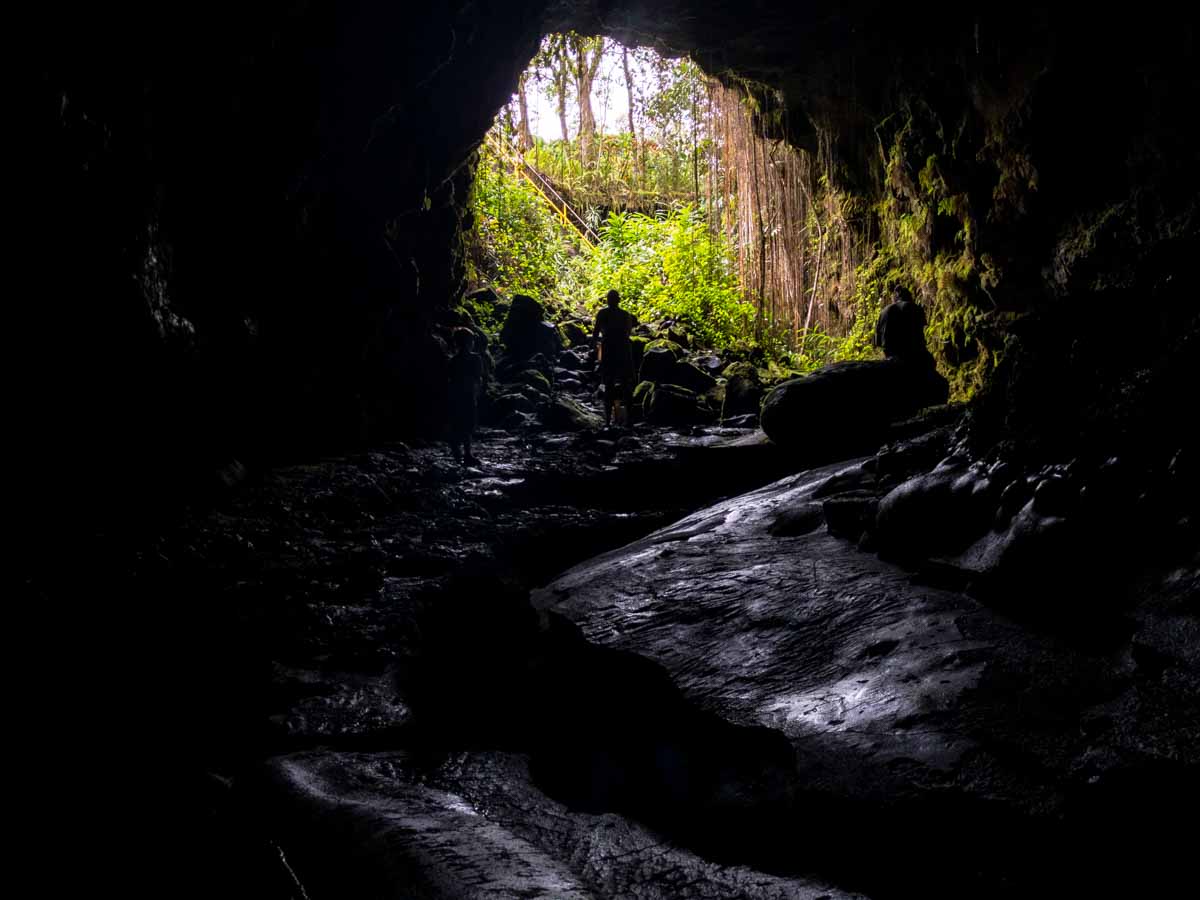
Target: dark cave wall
(247, 219)
(1066, 141)
(244, 221)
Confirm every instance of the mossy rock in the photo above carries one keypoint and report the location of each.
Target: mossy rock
(671, 404)
(658, 363)
(663, 343)
(536, 380)
(679, 337)
(638, 346)
(743, 396)
(715, 396)
(573, 334)
(566, 414)
(775, 374)
(692, 377)
(499, 409)
(741, 369)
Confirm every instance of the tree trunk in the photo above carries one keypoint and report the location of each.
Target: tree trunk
(587, 119)
(813, 297)
(695, 154)
(588, 53)
(559, 65)
(633, 140)
(524, 136)
(561, 78)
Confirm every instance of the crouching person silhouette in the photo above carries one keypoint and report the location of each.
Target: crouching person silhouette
(901, 335)
(900, 332)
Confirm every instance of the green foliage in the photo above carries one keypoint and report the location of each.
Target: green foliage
(668, 266)
(661, 164)
(673, 267)
(873, 283)
(950, 277)
(661, 173)
(518, 244)
(669, 261)
(486, 316)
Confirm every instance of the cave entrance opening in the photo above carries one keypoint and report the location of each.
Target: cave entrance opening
(602, 172)
(615, 167)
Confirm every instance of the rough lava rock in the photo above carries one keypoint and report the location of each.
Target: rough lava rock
(526, 333)
(938, 512)
(845, 406)
(743, 393)
(690, 376)
(658, 361)
(391, 824)
(564, 413)
(953, 731)
(670, 404)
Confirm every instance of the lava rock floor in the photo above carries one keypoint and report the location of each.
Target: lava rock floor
(350, 694)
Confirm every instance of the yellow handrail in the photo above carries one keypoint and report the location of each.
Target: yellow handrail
(577, 222)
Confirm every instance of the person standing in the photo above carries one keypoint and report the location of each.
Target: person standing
(613, 329)
(466, 380)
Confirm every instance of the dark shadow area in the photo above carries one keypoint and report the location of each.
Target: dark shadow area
(239, 537)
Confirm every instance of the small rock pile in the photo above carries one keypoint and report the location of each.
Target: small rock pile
(544, 374)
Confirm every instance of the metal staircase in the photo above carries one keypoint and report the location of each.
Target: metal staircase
(570, 218)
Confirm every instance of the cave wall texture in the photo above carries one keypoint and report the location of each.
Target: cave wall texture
(246, 219)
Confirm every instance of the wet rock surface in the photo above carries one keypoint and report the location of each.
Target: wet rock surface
(1024, 755)
(745, 703)
(373, 601)
(330, 571)
(475, 824)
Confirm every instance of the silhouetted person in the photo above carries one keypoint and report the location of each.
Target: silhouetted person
(466, 379)
(901, 330)
(613, 328)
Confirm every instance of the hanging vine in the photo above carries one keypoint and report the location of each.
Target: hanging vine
(798, 240)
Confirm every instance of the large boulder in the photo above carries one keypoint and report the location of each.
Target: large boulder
(658, 361)
(690, 376)
(499, 408)
(675, 348)
(939, 512)
(662, 362)
(941, 720)
(526, 332)
(679, 336)
(566, 414)
(743, 392)
(574, 334)
(638, 345)
(536, 380)
(511, 367)
(641, 393)
(842, 408)
(670, 404)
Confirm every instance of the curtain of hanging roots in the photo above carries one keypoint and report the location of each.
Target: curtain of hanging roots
(798, 240)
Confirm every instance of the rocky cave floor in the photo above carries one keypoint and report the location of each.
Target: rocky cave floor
(746, 703)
